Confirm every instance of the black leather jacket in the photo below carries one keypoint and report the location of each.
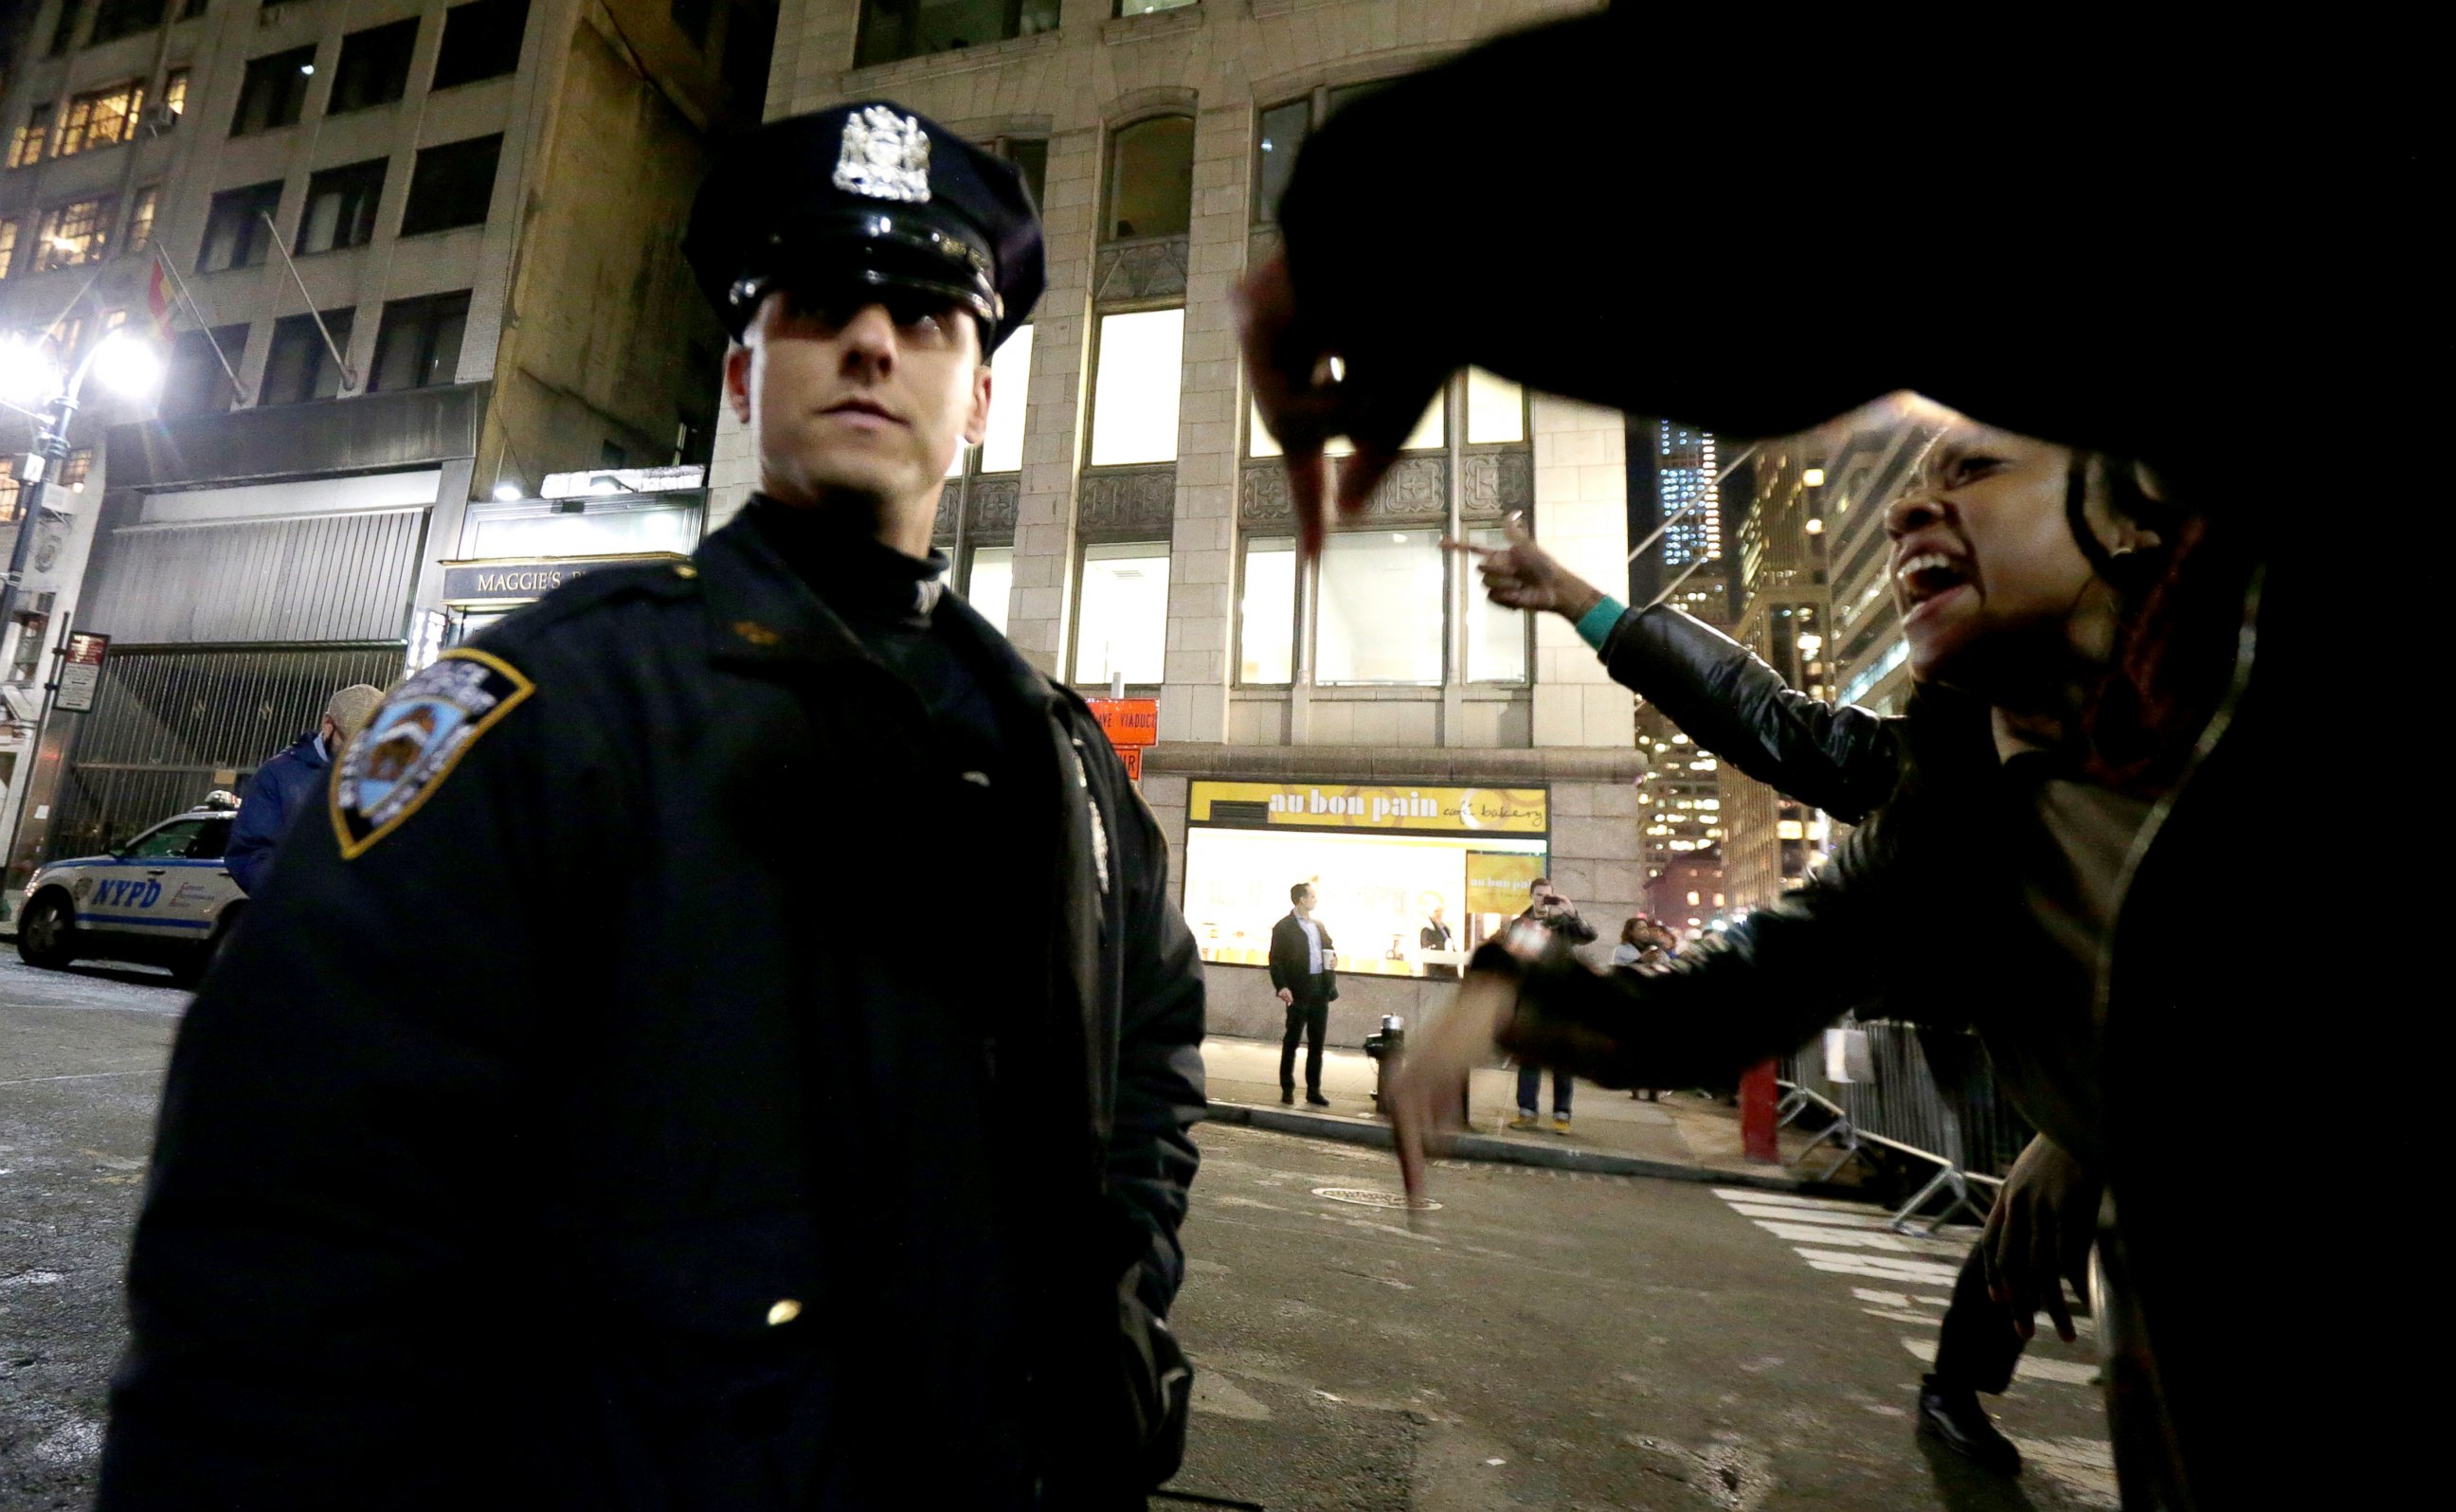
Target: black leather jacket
(1832, 756)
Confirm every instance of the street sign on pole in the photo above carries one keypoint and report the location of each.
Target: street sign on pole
(1131, 724)
(80, 669)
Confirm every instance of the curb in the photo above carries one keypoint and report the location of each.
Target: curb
(1500, 1152)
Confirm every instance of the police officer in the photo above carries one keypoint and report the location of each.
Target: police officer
(569, 1131)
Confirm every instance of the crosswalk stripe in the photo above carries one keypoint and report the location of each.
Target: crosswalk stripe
(2071, 1373)
(1866, 1240)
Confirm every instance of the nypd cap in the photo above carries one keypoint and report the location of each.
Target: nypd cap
(868, 194)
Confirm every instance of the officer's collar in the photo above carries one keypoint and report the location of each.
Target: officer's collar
(761, 610)
(853, 572)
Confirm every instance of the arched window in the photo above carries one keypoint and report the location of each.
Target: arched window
(1150, 178)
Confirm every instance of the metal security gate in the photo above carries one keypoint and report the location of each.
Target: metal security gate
(169, 723)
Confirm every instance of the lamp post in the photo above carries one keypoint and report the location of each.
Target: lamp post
(29, 374)
(126, 363)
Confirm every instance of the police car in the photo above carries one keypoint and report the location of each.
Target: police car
(163, 898)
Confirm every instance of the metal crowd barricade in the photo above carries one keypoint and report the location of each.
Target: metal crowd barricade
(1926, 1093)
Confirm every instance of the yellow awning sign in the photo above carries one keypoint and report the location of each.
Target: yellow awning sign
(1307, 806)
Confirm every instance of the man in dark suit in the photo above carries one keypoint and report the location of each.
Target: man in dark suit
(1301, 973)
(1436, 935)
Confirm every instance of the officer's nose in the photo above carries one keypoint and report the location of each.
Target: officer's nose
(869, 340)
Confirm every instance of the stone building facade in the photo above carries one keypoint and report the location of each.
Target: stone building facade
(1137, 527)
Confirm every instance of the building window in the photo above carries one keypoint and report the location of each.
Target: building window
(236, 233)
(418, 344)
(1150, 178)
(480, 41)
(13, 496)
(690, 17)
(374, 68)
(75, 235)
(1145, 8)
(909, 29)
(1380, 608)
(114, 19)
(1135, 387)
(74, 469)
(31, 136)
(64, 29)
(1496, 409)
(300, 366)
(174, 97)
(140, 218)
(8, 245)
(1266, 612)
(1431, 433)
(1121, 612)
(1029, 155)
(196, 383)
(1496, 638)
(991, 583)
(274, 92)
(1010, 385)
(451, 185)
(101, 118)
(1284, 132)
(340, 207)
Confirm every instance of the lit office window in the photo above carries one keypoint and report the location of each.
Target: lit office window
(1010, 380)
(991, 583)
(1150, 178)
(1496, 408)
(75, 235)
(32, 134)
(175, 97)
(1431, 434)
(140, 217)
(1381, 614)
(8, 245)
(101, 118)
(1496, 638)
(1266, 615)
(1135, 390)
(1122, 614)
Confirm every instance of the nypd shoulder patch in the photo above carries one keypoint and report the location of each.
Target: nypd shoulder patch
(415, 739)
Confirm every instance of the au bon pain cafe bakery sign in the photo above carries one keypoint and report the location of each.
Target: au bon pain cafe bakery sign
(1416, 809)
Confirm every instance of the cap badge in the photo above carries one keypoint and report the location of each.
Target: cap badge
(885, 156)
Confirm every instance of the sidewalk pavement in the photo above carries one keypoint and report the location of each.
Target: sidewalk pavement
(1683, 1139)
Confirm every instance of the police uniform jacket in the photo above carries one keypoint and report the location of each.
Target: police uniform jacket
(573, 1142)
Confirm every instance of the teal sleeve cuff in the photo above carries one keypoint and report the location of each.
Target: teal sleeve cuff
(1596, 627)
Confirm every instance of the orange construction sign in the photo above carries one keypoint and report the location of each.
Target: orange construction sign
(1128, 722)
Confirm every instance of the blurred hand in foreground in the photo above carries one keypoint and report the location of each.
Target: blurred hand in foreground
(2039, 1234)
(1522, 575)
(1307, 394)
(1428, 1091)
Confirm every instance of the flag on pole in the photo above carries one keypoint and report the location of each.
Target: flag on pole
(157, 301)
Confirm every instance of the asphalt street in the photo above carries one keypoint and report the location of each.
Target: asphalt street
(1547, 1340)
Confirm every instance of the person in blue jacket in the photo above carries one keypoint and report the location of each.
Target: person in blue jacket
(290, 781)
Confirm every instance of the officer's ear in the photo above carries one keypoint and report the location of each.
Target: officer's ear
(737, 381)
(976, 421)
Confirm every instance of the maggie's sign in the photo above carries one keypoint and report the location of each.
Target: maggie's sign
(518, 580)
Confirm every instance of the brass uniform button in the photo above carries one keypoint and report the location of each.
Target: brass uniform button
(782, 1313)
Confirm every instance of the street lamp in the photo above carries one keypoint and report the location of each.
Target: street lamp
(122, 361)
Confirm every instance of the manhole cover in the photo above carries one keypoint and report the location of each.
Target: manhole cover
(1366, 1197)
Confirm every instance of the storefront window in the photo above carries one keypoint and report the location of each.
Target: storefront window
(1010, 387)
(1381, 616)
(1266, 616)
(991, 582)
(1378, 859)
(1496, 638)
(1122, 614)
(1135, 390)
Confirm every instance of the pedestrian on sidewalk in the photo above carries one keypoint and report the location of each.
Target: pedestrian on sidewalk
(1304, 973)
(532, 1148)
(1436, 935)
(1550, 909)
(290, 781)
